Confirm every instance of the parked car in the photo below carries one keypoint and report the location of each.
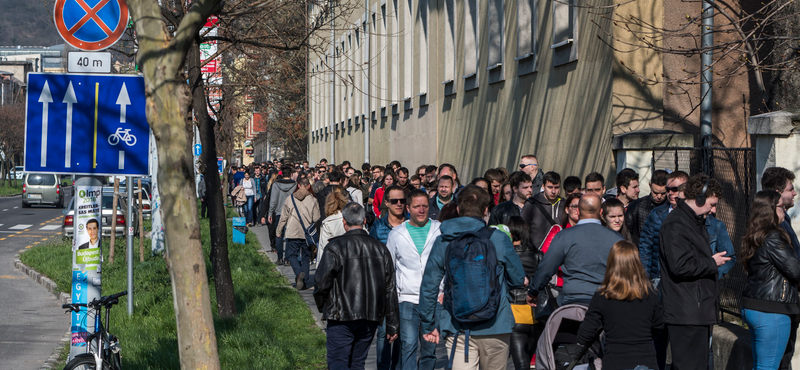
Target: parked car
(107, 212)
(16, 173)
(41, 189)
(146, 197)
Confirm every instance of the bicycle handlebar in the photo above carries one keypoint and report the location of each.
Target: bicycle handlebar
(106, 301)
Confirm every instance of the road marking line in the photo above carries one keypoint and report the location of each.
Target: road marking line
(3, 239)
(5, 210)
(11, 277)
(50, 227)
(43, 223)
(19, 227)
(16, 207)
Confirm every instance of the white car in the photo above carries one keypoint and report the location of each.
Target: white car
(108, 195)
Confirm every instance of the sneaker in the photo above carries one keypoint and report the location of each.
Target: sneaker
(287, 263)
(299, 280)
(280, 262)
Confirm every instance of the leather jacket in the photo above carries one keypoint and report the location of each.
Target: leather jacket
(773, 275)
(355, 280)
(502, 212)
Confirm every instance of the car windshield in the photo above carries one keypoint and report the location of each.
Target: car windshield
(108, 200)
(41, 179)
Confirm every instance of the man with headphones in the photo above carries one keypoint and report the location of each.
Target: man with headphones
(689, 274)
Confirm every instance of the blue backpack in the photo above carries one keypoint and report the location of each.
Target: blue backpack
(473, 283)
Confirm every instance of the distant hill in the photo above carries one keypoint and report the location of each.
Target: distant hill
(27, 23)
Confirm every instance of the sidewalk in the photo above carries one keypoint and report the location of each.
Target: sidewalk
(263, 237)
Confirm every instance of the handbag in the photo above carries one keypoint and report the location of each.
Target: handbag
(311, 234)
(545, 304)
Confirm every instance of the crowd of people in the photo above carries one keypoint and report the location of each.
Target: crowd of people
(393, 259)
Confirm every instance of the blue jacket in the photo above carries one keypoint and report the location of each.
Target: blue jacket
(381, 228)
(512, 272)
(720, 242)
(648, 241)
(787, 225)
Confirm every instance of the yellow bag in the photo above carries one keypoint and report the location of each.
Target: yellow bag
(523, 314)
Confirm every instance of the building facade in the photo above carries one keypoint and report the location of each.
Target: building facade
(479, 83)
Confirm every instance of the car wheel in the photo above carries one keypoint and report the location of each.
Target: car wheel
(26, 205)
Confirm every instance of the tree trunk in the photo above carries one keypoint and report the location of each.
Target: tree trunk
(161, 60)
(223, 282)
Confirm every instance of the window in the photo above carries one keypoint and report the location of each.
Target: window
(471, 46)
(394, 36)
(527, 20)
(408, 51)
(449, 47)
(495, 40)
(565, 32)
(422, 46)
(382, 53)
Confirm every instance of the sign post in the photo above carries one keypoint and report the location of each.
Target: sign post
(87, 257)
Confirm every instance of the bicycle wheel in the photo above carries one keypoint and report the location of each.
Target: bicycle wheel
(113, 139)
(81, 362)
(131, 140)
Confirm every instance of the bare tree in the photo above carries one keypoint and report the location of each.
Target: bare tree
(161, 56)
(750, 38)
(12, 138)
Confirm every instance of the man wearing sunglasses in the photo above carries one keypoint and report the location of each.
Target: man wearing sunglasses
(530, 165)
(395, 199)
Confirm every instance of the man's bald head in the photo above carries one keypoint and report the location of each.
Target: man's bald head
(589, 206)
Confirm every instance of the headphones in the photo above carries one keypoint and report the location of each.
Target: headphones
(701, 198)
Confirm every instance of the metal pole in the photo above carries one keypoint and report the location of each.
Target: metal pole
(129, 227)
(333, 84)
(367, 120)
(707, 76)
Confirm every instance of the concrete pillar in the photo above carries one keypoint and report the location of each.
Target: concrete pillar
(776, 136)
(634, 150)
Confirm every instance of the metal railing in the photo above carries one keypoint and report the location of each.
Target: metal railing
(735, 170)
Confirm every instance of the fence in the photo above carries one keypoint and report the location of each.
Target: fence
(735, 170)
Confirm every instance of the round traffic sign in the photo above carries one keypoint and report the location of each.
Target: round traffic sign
(91, 25)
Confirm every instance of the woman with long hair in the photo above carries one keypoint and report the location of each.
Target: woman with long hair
(627, 309)
(388, 180)
(613, 217)
(770, 296)
(571, 208)
(526, 330)
(332, 225)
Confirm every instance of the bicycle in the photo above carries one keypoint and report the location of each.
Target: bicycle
(109, 358)
(124, 135)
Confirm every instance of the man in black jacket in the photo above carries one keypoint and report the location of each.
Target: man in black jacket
(545, 209)
(355, 290)
(334, 179)
(637, 212)
(689, 274)
(522, 187)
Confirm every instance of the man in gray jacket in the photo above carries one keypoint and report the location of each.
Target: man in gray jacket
(281, 190)
(581, 251)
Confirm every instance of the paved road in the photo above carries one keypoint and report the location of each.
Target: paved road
(33, 320)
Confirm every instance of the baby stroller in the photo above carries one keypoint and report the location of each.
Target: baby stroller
(558, 347)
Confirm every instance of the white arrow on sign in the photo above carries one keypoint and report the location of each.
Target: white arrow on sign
(45, 99)
(123, 101)
(69, 99)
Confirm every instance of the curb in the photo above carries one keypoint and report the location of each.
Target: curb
(10, 195)
(265, 253)
(62, 297)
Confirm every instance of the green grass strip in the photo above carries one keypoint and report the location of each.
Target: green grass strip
(273, 330)
(9, 189)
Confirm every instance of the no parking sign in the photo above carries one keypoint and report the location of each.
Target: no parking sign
(91, 25)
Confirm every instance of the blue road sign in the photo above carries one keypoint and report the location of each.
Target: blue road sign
(198, 149)
(86, 124)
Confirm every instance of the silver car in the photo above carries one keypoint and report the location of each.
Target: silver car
(67, 227)
(41, 189)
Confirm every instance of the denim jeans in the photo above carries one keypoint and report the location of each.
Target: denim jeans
(248, 209)
(388, 353)
(411, 340)
(299, 257)
(348, 343)
(769, 333)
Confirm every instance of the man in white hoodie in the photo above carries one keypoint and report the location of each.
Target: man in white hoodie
(410, 245)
